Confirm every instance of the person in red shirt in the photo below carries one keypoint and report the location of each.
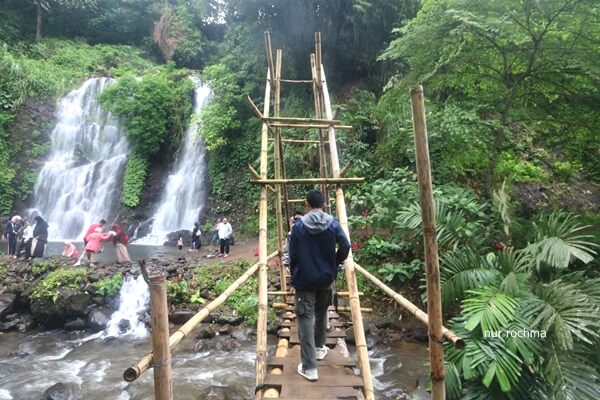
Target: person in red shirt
(91, 229)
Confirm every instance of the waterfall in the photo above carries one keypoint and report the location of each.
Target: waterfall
(185, 191)
(133, 301)
(81, 180)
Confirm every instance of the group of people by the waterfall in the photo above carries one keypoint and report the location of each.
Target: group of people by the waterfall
(93, 244)
(25, 240)
(221, 240)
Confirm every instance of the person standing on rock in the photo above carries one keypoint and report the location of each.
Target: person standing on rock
(314, 264)
(120, 240)
(26, 237)
(94, 243)
(40, 238)
(11, 231)
(196, 237)
(225, 231)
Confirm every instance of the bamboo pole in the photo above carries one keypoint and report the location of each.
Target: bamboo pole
(308, 126)
(270, 69)
(410, 307)
(261, 325)
(297, 80)
(308, 181)
(318, 99)
(359, 333)
(298, 120)
(287, 293)
(135, 371)
(163, 386)
(346, 168)
(277, 167)
(434, 302)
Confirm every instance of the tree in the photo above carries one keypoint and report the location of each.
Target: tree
(46, 5)
(522, 62)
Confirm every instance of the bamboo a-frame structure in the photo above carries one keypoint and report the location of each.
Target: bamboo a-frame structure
(325, 126)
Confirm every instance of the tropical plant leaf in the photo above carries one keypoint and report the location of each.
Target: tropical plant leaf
(490, 309)
(463, 270)
(571, 376)
(452, 381)
(564, 311)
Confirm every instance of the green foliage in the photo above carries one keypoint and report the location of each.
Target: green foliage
(401, 273)
(109, 286)
(519, 170)
(134, 180)
(60, 278)
(178, 291)
(3, 270)
(40, 268)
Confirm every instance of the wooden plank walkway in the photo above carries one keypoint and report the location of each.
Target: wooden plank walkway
(338, 373)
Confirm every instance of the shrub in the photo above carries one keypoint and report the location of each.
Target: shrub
(134, 179)
(109, 286)
(61, 278)
(509, 166)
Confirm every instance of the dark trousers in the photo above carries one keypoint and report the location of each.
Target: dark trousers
(311, 312)
(224, 246)
(12, 244)
(24, 246)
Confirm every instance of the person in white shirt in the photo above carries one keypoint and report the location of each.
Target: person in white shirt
(224, 230)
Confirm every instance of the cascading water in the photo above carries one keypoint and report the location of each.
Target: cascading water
(184, 194)
(80, 182)
(133, 301)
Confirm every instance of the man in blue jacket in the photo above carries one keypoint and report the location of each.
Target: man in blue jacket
(313, 264)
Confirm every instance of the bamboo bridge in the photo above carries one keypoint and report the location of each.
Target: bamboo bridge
(340, 375)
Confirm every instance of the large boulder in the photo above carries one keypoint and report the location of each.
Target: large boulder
(98, 319)
(60, 391)
(70, 304)
(173, 236)
(181, 316)
(213, 393)
(7, 303)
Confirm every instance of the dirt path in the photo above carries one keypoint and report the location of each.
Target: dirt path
(243, 250)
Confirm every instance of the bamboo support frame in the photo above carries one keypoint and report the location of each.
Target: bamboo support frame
(277, 167)
(409, 306)
(432, 268)
(163, 385)
(270, 69)
(359, 333)
(297, 120)
(287, 293)
(261, 325)
(308, 181)
(135, 371)
(308, 126)
(318, 99)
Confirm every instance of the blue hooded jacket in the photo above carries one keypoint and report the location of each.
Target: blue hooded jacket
(313, 256)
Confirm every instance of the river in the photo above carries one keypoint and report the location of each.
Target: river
(92, 367)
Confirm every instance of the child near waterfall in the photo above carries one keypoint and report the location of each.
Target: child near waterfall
(94, 243)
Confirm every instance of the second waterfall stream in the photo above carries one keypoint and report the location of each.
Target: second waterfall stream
(184, 193)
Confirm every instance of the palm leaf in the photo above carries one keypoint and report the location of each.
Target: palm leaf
(563, 310)
(570, 375)
(489, 308)
(463, 270)
(560, 240)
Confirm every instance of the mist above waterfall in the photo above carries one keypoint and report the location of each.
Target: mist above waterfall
(81, 180)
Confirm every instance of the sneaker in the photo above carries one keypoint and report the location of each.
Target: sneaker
(310, 374)
(226, 255)
(321, 352)
(77, 264)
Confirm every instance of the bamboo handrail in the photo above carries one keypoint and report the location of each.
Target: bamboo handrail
(340, 202)
(296, 80)
(319, 121)
(409, 306)
(308, 181)
(163, 385)
(134, 372)
(308, 126)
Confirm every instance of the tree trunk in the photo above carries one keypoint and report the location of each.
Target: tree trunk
(499, 136)
(38, 25)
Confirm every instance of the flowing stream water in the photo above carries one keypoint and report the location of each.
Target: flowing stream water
(80, 182)
(184, 194)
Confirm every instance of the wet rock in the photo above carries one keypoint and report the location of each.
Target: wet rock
(350, 335)
(213, 316)
(59, 391)
(7, 302)
(416, 335)
(230, 319)
(98, 300)
(172, 237)
(98, 319)
(26, 324)
(214, 393)
(396, 394)
(205, 332)
(75, 325)
(9, 325)
(93, 278)
(372, 341)
(230, 344)
(181, 317)
(241, 334)
(224, 329)
(124, 325)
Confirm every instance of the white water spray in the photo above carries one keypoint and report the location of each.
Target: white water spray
(80, 182)
(185, 191)
(133, 301)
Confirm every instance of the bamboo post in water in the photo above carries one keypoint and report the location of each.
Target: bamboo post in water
(261, 325)
(359, 332)
(434, 302)
(163, 387)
